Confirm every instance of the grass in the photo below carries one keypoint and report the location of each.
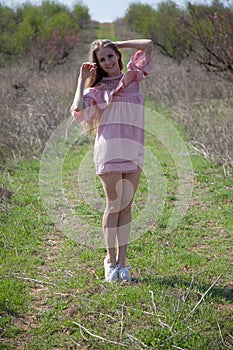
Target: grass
(106, 30)
(53, 293)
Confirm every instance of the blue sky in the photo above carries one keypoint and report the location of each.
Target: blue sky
(101, 10)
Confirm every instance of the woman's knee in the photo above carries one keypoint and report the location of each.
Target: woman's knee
(112, 207)
(126, 207)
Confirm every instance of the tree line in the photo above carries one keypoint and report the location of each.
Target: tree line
(47, 32)
(50, 31)
(201, 30)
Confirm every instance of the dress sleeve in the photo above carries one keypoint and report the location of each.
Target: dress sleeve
(90, 107)
(141, 61)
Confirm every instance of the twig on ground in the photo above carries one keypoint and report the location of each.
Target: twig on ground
(75, 343)
(105, 315)
(226, 170)
(65, 294)
(203, 149)
(230, 335)
(81, 332)
(122, 319)
(35, 280)
(98, 336)
(184, 301)
(189, 290)
(179, 332)
(144, 312)
(137, 340)
(155, 310)
(201, 299)
(177, 347)
(153, 301)
(228, 343)
(220, 332)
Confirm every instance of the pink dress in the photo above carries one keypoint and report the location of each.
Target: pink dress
(118, 103)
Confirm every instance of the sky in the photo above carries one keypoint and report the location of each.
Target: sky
(100, 10)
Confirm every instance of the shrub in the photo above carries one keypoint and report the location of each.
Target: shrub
(162, 25)
(54, 48)
(211, 27)
(7, 28)
(81, 15)
(47, 32)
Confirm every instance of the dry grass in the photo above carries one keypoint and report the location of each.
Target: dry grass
(210, 128)
(201, 102)
(34, 103)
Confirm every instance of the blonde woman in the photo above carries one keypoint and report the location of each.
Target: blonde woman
(113, 100)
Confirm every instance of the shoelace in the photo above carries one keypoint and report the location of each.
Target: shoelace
(114, 269)
(125, 271)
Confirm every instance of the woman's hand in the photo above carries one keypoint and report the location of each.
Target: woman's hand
(87, 69)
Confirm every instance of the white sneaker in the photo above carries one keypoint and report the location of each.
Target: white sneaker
(124, 274)
(111, 273)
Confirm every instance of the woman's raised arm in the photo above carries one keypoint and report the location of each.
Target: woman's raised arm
(85, 71)
(138, 44)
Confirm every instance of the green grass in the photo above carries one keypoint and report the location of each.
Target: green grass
(106, 31)
(52, 291)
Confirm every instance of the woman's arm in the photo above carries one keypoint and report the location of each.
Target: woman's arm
(85, 72)
(78, 102)
(138, 44)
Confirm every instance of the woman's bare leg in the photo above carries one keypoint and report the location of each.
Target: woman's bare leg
(112, 186)
(130, 184)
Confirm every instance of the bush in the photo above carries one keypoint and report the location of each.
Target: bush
(54, 48)
(7, 28)
(204, 30)
(48, 32)
(211, 27)
(81, 15)
(162, 26)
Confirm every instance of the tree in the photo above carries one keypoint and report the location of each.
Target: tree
(211, 28)
(54, 48)
(141, 18)
(81, 15)
(168, 34)
(47, 32)
(162, 25)
(50, 8)
(27, 30)
(55, 40)
(7, 28)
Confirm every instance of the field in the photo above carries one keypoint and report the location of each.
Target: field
(52, 292)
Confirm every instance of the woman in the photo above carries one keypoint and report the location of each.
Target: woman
(114, 101)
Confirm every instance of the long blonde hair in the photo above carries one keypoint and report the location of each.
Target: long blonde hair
(99, 73)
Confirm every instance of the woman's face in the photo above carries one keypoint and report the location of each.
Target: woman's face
(108, 61)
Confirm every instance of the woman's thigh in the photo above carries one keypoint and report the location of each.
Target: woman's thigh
(120, 188)
(134, 178)
(112, 185)
(129, 186)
